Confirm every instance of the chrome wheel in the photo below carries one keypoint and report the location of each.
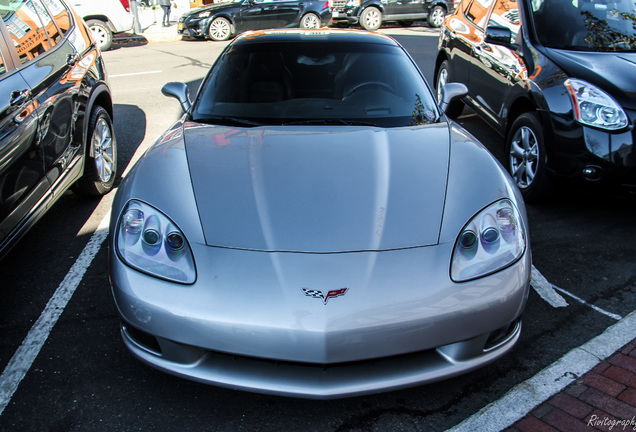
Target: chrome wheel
(442, 79)
(310, 21)
(103, 150)
(101, 34)
(220, 29)
(371, 19)
(524, 156)
(436, 17)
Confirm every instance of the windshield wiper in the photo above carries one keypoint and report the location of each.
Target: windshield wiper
(328, 122)
(227, 121)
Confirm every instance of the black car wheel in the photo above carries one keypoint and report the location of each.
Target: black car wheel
(220, 29)
(371, 19)
(456, 107)
(101, 33)
(100, 167)
(527, 160)
(310, 21)
(436, 17)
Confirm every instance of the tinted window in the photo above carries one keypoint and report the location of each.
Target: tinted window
(506, 14)
(477, 12)
(586, 25)
(31, 27)
(334, 83)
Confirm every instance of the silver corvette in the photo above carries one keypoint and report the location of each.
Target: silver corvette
(314, 226)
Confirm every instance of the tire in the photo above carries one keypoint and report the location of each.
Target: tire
(101, 33)
(436, 17)
(310, 21)
(456, 107)
(220, 29)
(526, 157)
(100, 169)
(371, 18)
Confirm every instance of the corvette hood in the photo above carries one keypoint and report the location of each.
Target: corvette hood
(325, 189)
(614, 72)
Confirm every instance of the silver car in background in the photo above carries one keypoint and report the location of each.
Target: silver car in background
(314, 226)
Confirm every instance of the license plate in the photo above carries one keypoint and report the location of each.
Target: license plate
(335, 14)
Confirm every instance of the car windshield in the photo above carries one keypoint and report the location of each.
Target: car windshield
(318, 83)
(585, 25)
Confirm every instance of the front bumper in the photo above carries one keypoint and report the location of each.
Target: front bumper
(246, 323)
(582, 152)
(319, 381)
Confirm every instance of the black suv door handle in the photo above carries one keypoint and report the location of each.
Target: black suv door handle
(71, 59)
(19, 96)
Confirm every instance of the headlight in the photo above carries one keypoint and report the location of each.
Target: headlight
(594, 107)
(148, 241)
(203, 14)
(352, 3)
(491, 241)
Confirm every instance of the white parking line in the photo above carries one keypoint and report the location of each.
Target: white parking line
(596, 308)
(519, 401)
(546, 290)
(134, 73)
(24, 357)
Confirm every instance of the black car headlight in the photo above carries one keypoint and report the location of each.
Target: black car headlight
(148, 241)
(203, 14)
(492, 240)
(594, 107)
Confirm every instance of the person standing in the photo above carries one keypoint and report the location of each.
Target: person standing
(165, 5)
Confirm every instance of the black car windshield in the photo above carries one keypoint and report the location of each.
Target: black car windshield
(317, 83)
(585, 25)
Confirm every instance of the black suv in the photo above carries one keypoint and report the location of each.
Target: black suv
(370, 14)
(557, 78)
(55, 117)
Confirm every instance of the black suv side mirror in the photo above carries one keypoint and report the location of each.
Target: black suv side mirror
(498, 35)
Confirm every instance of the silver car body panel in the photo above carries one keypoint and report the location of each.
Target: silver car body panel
(288, 188)
(251, 303)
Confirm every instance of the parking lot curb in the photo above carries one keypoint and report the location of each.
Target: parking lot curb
(592, 387)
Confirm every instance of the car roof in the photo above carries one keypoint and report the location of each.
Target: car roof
(322, 35)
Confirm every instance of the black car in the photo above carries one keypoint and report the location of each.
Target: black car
(55, 117)
(370, 14)
(220, 21)
(556, 78)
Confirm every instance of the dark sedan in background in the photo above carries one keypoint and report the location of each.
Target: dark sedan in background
(370, 14)
(556, 78)
(221, 21)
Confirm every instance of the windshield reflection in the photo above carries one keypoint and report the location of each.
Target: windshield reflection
(315, 84)
(586, 25)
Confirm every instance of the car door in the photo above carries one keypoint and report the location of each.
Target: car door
(496, 67)
(46, 66)
(38, 108)
(257, 15)
(288, 13)
(22, 180)
(466, 30)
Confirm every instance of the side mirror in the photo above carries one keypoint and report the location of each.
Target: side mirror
(450, 92)
(179, 91)
(498, 36)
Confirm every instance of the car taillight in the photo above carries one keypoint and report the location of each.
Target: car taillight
(125, 4)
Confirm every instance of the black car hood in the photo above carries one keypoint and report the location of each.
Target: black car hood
(614, 72)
